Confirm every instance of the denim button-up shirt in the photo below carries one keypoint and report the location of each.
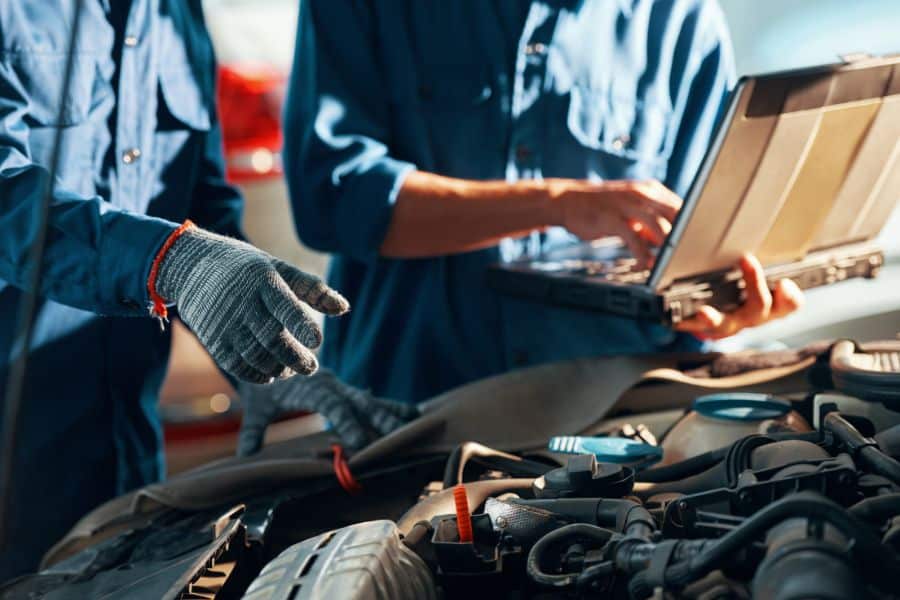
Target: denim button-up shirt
(141, 152)
(475, 89)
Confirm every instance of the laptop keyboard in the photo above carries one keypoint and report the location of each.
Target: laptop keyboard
(622, 270)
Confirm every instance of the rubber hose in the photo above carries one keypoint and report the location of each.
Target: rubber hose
(871, 456)
(889, 440)
(878, 508)
(881, 562)
(576, 531)
(680, 470)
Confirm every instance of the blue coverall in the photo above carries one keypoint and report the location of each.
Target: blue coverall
(486, 90)
(141, 154)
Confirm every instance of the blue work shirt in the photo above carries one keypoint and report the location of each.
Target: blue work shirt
(484, 90)
(141, 152)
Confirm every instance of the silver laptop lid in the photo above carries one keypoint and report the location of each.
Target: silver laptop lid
(803, 161)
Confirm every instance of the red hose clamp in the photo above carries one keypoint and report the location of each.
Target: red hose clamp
(342, 471)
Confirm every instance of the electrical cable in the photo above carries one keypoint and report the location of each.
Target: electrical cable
(15, 382)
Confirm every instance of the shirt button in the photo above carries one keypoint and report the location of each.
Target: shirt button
(131, 156)
(620, 142)
(537, 48)
(131, 41)
(523, 152)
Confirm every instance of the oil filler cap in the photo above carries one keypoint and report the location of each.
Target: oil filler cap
(584, 477)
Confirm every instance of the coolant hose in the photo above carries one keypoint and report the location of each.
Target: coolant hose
(862, 448)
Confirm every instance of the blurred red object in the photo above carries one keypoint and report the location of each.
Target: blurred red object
(250, 98)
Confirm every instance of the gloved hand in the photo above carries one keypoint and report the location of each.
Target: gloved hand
(244, 305)
(357, 416)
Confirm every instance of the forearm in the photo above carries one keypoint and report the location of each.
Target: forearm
(436, 215)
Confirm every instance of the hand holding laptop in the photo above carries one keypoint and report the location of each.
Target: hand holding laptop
(761, 305)
(641, 214)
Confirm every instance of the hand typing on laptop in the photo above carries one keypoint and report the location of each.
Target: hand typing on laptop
(639, 212)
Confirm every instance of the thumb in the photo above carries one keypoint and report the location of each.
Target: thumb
(259, 410)
(250, 438)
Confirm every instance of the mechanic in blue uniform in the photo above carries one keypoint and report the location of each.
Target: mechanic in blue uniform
(141, 154)
(428, 139)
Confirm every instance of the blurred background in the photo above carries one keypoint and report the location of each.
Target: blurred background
(254, 42)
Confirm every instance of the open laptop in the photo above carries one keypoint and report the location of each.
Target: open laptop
(803, 172)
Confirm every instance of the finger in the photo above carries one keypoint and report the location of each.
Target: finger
(705, 322)
(648, 229)
(312, 290)
(639, 247)
(290, 354)
(257, 355)
(290, 312)
(251, 436)
(346, 424)
(404, 411)
(758, 302)
(788, 297)
(659, 200)
(234, 364)
(384, 422)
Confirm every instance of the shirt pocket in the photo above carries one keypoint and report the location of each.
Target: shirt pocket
(464, 123)
(183, 102)
(622, 138)
(41, 78)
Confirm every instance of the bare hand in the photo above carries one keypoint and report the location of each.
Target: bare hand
(760, 306)
(639, 212)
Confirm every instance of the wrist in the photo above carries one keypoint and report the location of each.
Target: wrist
(160, 294)
(553, 202)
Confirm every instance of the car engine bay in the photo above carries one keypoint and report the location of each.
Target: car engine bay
(738, 495)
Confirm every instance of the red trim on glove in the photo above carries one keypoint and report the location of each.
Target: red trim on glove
(158, 308)
(342, 471)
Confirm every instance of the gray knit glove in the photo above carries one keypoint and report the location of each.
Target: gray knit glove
(246, 306)
(356, 415)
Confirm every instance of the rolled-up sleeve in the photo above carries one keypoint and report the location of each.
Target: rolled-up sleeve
(342, 180)
(702, 82)
(98, 257)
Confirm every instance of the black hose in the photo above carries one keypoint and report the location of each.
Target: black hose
(570, 533)
(877, 509)
(889, 440)
(508, 463)
(594, 573)
(880, 562)
(686, 468)
(862, 448)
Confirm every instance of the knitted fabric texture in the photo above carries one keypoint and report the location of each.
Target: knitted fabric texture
(246, 307)
(356, 415)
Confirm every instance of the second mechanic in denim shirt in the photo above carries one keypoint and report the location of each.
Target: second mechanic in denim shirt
(428, 139)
